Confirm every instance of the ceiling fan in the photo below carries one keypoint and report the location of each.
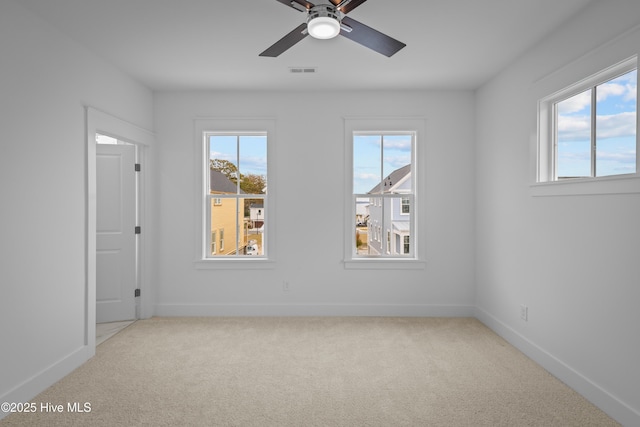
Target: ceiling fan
(326, 21)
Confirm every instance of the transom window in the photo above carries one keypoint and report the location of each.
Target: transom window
(235, 194)
(589, 130)
(383, 194)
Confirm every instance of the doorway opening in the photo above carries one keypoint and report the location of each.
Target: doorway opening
(117, 225)
(122, 134)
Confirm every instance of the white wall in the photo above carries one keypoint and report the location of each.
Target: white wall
(573, 260)
(45, 82)
(581, 290)
(310, 172)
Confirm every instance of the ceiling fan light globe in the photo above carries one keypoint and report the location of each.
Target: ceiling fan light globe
(323, 27)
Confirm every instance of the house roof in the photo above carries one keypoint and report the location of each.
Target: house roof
(401, 226)
(220, 184)
(393, 179)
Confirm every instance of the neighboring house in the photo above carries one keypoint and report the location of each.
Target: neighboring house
(225, 216)
(389, 218)
(362, 212)
(256, 215)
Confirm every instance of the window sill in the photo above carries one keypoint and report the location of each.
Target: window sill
(627, 184)
(235, 264)
(384, 264)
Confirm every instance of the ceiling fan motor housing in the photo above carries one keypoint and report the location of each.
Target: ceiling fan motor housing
(324, 15)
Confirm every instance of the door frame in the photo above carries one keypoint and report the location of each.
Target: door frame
(103, 123)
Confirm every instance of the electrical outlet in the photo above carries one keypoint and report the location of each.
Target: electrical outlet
(285, 286)
(524, 312)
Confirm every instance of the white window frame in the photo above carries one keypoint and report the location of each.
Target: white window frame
(576, 77)
(236, 126)
(403, 204)
(386, 125)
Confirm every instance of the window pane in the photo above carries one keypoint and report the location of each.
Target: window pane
(253, 163)
(397, 163)
(573, 136)
(390, 227)
(367, 163)
(616, 126)
(238, 169)
(224, 221)
(223, 157)
(382, 167)
(253, 240)
(362, 226)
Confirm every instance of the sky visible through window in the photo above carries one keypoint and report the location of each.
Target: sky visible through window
(374, 160)
(252, 152)
(615, 130)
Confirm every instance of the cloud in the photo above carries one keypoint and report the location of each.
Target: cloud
(363, 176)
(610, 89)
(397, 144)
(396, 162)
(624, 87)
(619, 157)
(616, 125)
(574, 128)
(574, 104)
(578, 128)
(253, 165)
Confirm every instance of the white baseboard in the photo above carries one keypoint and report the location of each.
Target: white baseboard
(399, 310)
(42, 380)
(614, 407)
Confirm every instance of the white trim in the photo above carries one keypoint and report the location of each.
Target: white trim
(243, 263)
(106, 124)
(387, 263)
(596, 394)
(415, 125)
(617, 184)
(618, 51)
(28, 389)
(233, 125)
(395, 310)
(547, 144)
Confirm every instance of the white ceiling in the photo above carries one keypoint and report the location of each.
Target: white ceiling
(214, 44)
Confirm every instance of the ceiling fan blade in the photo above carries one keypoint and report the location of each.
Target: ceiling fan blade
(348, 5)
(287, 41)
(299, 5)
(371, 38)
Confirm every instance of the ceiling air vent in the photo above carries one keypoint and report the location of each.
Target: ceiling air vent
(302, 70)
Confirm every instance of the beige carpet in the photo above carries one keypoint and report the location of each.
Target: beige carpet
(311, 372)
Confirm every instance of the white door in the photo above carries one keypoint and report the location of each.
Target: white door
(115, 241)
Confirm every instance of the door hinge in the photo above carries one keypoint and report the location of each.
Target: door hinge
(138, 229)
(137, 167)
(137, 293)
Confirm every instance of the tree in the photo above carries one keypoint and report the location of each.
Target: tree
(253, 184)
(226, 167)
(250, 183)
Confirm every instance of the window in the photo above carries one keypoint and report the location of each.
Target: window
(405, 205)
(588, 130)
(236, 193)
(384, 164)
(383, 191)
